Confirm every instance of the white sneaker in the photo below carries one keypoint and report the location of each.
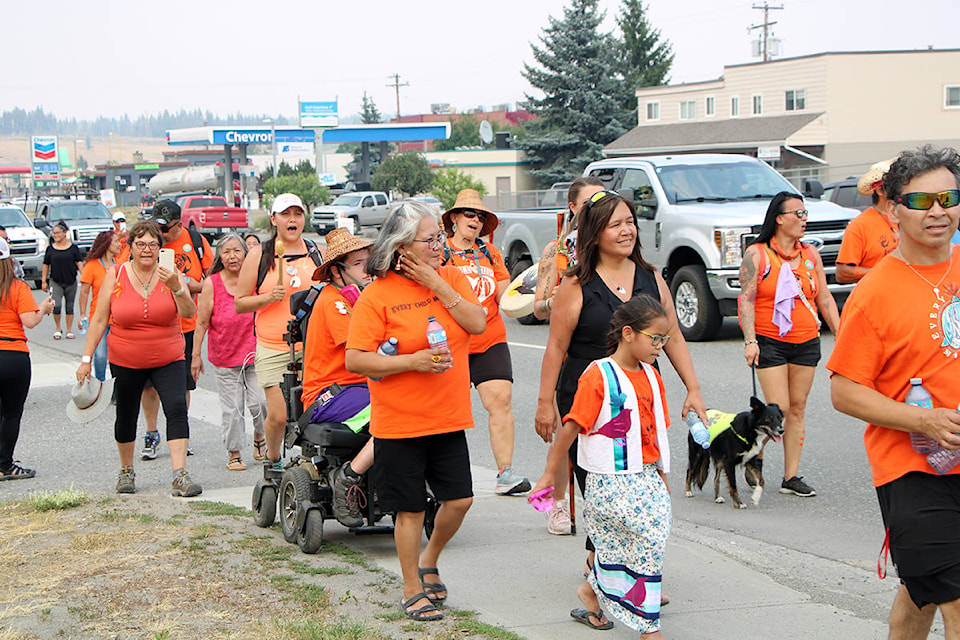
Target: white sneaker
(558, 520)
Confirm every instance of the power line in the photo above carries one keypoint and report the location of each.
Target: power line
(396, 86)
(764, 42)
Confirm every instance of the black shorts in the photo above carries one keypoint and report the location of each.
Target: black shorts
(404, 466)
(492, 364)
(188, 353)
(774, 353)
(922, 513)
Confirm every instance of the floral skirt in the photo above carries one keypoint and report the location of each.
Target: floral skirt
(628, 518)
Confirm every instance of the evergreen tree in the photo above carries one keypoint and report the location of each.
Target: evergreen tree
(369, 114)
(583, 107)
(645, 59)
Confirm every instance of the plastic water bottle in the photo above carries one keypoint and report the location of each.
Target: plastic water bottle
(436, 334)
(944, 460)
(700, 433)
(82, 325)
(387, 348)
(918, 396)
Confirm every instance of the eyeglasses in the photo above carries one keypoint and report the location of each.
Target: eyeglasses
(433, 242)
(657, 339)
(597, 197)
(923, 201)
(800, 213)
(153, 246)
(475, 214)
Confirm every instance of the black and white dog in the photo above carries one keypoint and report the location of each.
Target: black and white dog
(734, 447)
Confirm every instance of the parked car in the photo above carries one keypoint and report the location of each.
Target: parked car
(27, 244)
(696, 213)
(210, 214)
(352, 210)
(85, 219)
(844, 193)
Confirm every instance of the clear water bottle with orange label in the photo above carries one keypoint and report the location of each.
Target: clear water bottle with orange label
(436, 334)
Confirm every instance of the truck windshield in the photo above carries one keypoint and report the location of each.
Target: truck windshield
(79, 212)
(347, 200)
(718, 182)
(12, 217)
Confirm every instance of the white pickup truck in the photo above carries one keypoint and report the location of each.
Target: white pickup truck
(696, 214)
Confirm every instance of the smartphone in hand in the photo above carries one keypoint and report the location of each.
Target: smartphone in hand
(166, 260)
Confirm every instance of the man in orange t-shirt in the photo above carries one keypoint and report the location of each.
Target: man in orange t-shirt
(902, 322)
(872, 234)
(194, 262)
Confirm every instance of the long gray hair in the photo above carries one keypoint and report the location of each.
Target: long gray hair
(224, 239)
(398, 230)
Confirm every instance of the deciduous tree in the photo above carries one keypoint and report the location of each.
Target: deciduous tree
(407, 172)
(448, 182)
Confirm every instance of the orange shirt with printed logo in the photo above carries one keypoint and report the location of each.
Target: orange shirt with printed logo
(185, 258)
(413, 404)
(895, 327)
(867, 239)
(18, 300)
(271, 320)
(483, 274)
(325, 347)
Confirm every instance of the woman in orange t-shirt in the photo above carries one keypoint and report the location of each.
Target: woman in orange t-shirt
(102, 256)
(420, 398)
(17, 310)
(491, 371)
(781, 326)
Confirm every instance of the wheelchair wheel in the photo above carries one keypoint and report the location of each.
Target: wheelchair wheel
(430, 515)
(295, 488)
(311, 538)
(266, 513)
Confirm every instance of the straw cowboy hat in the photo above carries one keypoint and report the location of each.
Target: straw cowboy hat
(340, 242)
(470, 200)
(89, 399)
(869, 181)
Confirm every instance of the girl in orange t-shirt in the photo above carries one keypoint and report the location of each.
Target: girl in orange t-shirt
(781, 328)
(619, 417)
(102, 256)
(420, 398)
(491, 371)
(17, 310)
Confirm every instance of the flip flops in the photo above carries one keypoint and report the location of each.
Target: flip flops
(583, 617)
(259, 449)
(426, 613)
(236, 464)
(431, 589)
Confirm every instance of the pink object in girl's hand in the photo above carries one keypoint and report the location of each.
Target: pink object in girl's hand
(540, 501)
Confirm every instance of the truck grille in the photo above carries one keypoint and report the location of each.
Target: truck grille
(86, 235)
(831, 232)
(23, 247)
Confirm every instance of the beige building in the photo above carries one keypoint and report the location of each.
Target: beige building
(828, 115)
(500, 170)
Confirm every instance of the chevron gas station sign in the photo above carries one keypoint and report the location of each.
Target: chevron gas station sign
(44, 160)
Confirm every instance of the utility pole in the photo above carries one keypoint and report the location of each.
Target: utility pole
(396, 85)
(766, 28)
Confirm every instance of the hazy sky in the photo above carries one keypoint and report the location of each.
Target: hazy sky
(99, 57)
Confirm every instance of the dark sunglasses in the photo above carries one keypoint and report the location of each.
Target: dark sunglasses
(481, 216)
(923, 201)
(597, 197)
(800, 213)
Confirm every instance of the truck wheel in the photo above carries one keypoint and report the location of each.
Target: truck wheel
(519, 268)
(697, 310)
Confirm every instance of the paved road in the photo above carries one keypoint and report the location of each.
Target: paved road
(824, 547)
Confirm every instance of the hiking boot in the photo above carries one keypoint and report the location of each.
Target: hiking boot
(753, 471)
(347, 498)
(184, 487)
(509, 483)
(797, 487)
(150, 443)
(558, 520)
(125, 481)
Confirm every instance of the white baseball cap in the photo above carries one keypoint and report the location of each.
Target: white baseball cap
(286, 200)
(119, 217)
(4, 249)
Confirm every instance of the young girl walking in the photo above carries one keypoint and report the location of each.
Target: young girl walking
(620, 415)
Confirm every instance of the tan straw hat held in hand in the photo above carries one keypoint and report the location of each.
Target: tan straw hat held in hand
(869, 181)
(470, 200)
(340, 242)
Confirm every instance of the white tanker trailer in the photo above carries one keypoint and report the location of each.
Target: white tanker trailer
(206, 178)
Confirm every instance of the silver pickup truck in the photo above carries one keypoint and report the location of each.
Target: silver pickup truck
(353, 210)
(696, 214)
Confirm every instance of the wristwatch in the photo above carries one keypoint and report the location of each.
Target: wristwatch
(85, 359)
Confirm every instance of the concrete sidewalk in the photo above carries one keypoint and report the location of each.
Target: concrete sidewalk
(505, 566)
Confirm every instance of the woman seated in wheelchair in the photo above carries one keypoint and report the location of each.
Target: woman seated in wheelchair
(330, 392)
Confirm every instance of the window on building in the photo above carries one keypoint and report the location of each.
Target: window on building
(757, 105)
(653, 111)
(711, 105)
(796, 100)
(688, 109)
(734, 106)
(951, 97)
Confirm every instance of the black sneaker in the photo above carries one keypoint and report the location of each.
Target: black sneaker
(797, 487)
(753, 472)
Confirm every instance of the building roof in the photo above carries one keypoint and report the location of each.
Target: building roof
(665, 138)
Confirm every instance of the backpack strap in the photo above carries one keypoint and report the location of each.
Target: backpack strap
(197, 241)
(481, 245)
(268, 258)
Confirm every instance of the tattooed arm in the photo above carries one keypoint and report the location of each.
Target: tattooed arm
(749, 281)
(547, 278)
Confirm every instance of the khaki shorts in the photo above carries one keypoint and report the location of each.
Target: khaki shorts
(271, 365)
